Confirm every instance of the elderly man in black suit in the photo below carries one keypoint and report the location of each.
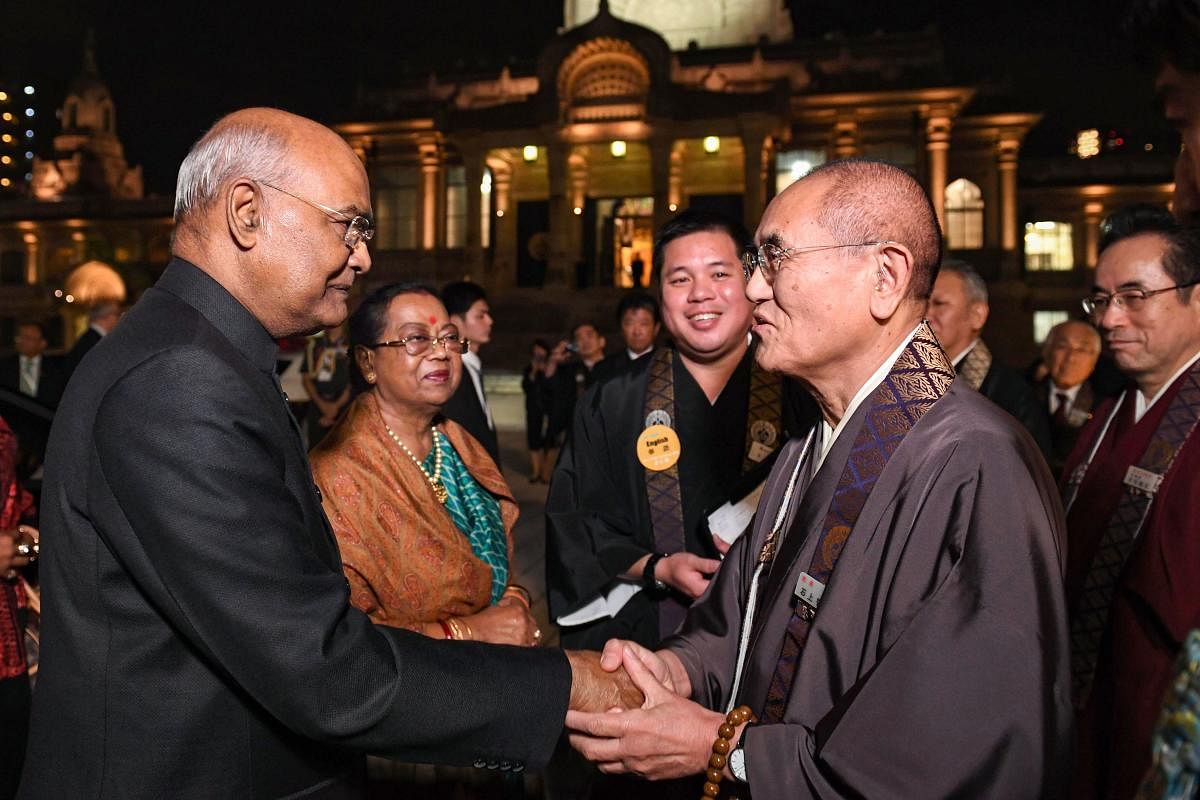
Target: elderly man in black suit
(197, 639)
(1066, 393)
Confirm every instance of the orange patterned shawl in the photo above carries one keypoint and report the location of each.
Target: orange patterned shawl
(406, 561)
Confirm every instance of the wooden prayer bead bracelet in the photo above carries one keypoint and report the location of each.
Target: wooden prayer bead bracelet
(721, 748)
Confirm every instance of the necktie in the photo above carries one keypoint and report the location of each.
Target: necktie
(1062, 402)
(28, 378)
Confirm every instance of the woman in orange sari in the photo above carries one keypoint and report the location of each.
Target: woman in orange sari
(422, 515)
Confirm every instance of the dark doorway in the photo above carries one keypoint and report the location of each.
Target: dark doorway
(533, 242)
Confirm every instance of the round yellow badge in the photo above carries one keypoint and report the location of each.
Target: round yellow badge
(658, 448)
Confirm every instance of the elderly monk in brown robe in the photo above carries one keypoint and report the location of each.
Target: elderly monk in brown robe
(894, 624)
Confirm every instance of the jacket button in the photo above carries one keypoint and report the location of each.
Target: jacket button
(518, 766)
(492, 765)
(479, 763)
(505, 766)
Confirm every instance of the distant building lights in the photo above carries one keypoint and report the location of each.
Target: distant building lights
(1087, 143)
(5, 160)
(672, 207)
(6, 138)
(5, 182)
(577, 210)
(70, 298)
(28, 133)
(3, 97)
(7, 116)
(618, 148)
(58, 292)
(1147, 147)
(529, 152)
(28, 155)
(29, 112)
(499, 212)
(28, 90)
(712, 144)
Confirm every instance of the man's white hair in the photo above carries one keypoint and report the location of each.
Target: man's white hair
(229, 150)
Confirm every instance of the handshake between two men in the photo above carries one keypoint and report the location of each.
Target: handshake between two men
(630, 713)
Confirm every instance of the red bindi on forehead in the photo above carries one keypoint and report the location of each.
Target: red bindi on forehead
(432, 320)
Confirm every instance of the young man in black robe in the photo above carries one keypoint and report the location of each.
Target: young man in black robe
(630, 546)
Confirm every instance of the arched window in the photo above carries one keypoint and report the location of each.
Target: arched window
(964, 216)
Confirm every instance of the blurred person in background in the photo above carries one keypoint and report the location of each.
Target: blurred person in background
(326, 377)
(534, 385)
(637, 316)
(958, 310)
(102, 318)
(468, 307)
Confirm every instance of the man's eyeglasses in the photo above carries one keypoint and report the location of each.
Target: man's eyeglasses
(1130, 300)
(769, 258)
(419, 344)
(359, 228)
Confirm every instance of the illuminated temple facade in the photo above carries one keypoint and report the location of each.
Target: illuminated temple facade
(555, 176)
(550, 176)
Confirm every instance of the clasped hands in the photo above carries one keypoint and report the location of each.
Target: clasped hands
(633, 713)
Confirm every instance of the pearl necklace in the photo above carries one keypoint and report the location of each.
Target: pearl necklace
(435, 480)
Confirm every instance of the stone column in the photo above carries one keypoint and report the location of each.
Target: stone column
(845, 138)
(560, 266)
(937, 145)
(1006, 163)
(32, 251)
(660, 179)
(577, 179)
(753, 180)
(675, 192)
(504, 226)
(1093, 214)
(473, 165)
(432, 200)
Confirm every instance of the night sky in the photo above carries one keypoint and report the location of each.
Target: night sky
(174, 68)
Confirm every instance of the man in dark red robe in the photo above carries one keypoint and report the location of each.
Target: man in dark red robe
(1149, 316)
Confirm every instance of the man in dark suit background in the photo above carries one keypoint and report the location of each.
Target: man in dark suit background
(36, 382)
(102, 318)
(467, 305)
(1066, 395)
(197, 639)
(29, 370)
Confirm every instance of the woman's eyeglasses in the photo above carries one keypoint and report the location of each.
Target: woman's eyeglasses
(419, 343)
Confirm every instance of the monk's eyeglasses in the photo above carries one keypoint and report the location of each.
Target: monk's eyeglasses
(768, 258)
(1129, 300)
(419, 343)
(359, 228)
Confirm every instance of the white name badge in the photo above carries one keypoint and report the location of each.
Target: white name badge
(758, 451)
(809, 590)
(1143, 479)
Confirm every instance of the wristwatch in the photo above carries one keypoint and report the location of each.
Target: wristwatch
(649, 582)
(737, 758)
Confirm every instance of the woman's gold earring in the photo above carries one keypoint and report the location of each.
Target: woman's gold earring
(370, 377)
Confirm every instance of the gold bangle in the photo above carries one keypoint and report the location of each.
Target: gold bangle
(459, 628)
(721, 748)
(520, 592)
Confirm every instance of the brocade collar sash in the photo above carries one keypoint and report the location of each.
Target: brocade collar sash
(918, 379)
